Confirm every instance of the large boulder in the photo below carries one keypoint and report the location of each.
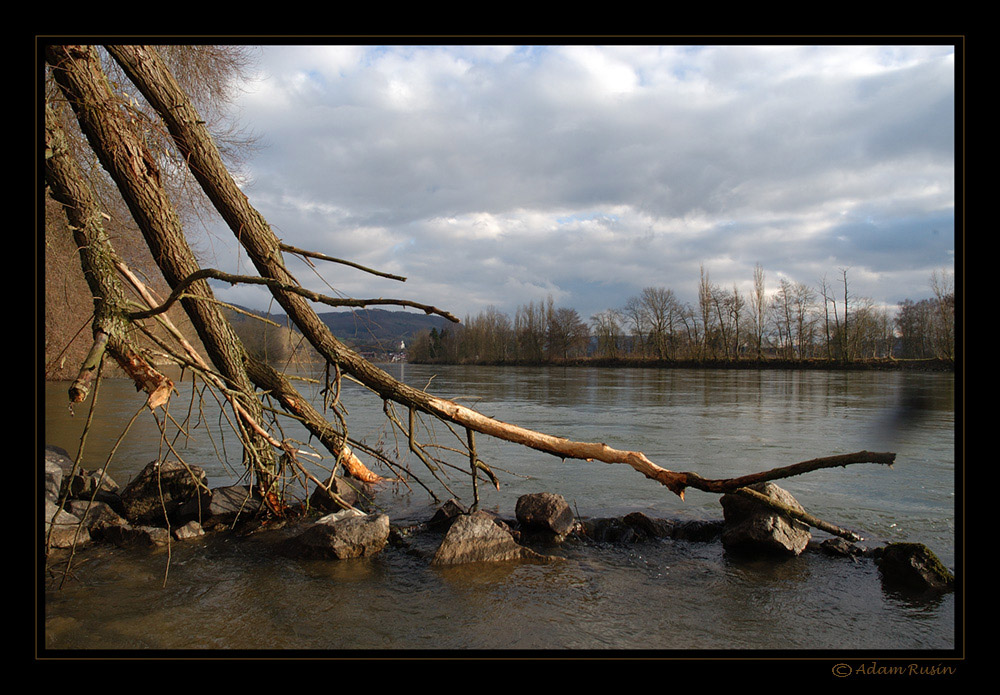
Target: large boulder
(751, 527)
(160, 490)
(341, 537)
(545, 512)
(477, 537)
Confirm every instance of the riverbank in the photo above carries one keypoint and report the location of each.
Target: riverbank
(922, 365)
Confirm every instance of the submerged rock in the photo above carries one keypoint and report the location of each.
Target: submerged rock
(755, 528)
(839, 547)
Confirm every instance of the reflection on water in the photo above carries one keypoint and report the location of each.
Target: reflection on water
(216, 593)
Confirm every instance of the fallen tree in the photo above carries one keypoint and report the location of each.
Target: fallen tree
(121, 150)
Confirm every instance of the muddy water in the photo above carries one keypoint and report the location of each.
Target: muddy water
(221, 594)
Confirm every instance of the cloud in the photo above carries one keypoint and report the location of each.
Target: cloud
(497, 175)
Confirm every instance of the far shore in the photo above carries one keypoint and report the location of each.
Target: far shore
(921, 365)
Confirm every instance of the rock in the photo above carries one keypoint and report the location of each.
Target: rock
(477, 537)
(89, 483)
(696, 530)
(544, 511)
(96, 516)
(352, 537)
(914, 567)
(128, 535)
(60, 479)
(162, 487)
(66, 529)
(340, 516)
(753, 527)
(191, 529)
(353, 492)
(221, 505)
(55, 469)
(840, 547)
(446, 514)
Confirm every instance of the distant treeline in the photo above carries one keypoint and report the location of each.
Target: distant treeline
(807, 326)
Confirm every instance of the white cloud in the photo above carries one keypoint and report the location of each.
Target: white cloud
(501, 174)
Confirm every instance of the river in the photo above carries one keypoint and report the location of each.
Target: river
(651, 598)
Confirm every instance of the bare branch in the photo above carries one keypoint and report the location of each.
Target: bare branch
(205, 273)
(324, 257)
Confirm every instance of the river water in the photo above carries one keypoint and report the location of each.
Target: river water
(651, 598)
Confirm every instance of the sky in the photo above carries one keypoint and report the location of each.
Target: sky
(493, 175)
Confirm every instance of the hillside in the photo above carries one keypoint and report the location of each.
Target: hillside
(376, 333)
(380, 329)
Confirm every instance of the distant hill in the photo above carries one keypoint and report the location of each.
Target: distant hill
(366, 330)
(380, 329)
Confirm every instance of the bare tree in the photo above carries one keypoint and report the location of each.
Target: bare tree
(759, 306)
(943, 287)
(705, 311)
(530, 328)
(660, 309)
(607, 327)
(635, 317)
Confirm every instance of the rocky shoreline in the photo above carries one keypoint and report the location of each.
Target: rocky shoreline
(169, 501)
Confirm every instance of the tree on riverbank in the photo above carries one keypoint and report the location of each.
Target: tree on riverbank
(238, 377)
(794, 324)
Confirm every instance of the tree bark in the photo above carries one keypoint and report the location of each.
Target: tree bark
(98, 259)
(77, 71)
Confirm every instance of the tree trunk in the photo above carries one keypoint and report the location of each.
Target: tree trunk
(110, 325)
(77, 71)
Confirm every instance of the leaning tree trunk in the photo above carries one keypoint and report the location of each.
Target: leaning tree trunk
(77, 71)
(111, 325)
(145, 68)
